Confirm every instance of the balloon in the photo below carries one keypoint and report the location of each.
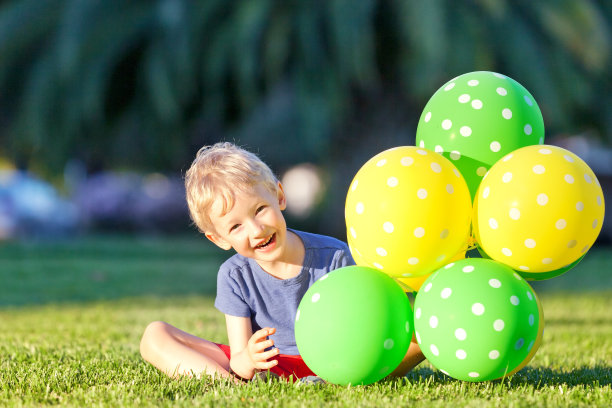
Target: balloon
(414, 284)
(477, 118)
(353, 326)
(476, 319)
(407, 212)
(538, 210)
(538, 276)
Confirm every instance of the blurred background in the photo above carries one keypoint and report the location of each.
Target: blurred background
(103, 104)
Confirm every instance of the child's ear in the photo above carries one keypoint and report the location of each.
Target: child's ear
(280, 194)
(218, 241)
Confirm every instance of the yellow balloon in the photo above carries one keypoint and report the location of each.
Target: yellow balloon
(539, 209)
(414, 284)
(408, 212)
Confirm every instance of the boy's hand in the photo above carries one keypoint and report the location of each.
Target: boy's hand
(256, 346)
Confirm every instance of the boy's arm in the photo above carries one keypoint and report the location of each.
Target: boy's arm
(247, 348)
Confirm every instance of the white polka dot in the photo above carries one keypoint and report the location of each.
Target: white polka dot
(324, 277)
(530, 243)
(594, 225)
(465, 98)
(467, 269)
(495, 146)
(529, 295)
(450, 189)
(528, 100)
(478, 309)
(583, 250)
(417, 313)
(507, 113)
(439, 149)
(449, 86)
(354, 186)
(530, 345)
(457, 174)
(419, 232)
(446, 292)
(493, 223)
(498, 75)
(542, 199)
(514, 300)
(569, 178)
(315, 298)
(481, 171)
(427, 116)
(392, 181)
(434, 350)
(572, 243)
(381, 162)
(545, 151)
(507, 177)
(447, 124)
(515, 213)
(539, 169)
(450, 265)
(477, 104)
(517, 276)
(422, 152)
(413, 261)
(493, 354)
(494, 283)
(474, 374)
(407, 161)
(502, 91)
(519, 343)
(531, 319)
(561, 224)
(498, 325)
(433, 322)
(541, 141)
(353, 233)
(359, 208)
(444, 234)
(465, 131)
(381, 251)
(508, 157)
(389, 343)
(461, 354)
(506, 251)
(441, 257)
(460, 334)
(388, 227)
(485, 192)
(523, 268)
(599, 200)
(428, 287)
(416, 334)
(422, 143)
(547, 261)
(422, 193)
(472, 82)
(579, 206)
(528, 129)
(436, 167)
(455, 155)
(568, 158)
(407, 327)
(297, 315)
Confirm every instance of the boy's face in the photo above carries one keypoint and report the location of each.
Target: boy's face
(254, 226)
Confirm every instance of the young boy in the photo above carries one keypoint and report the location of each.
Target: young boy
(237, 202)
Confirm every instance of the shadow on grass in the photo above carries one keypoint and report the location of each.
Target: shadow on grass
(597, 376)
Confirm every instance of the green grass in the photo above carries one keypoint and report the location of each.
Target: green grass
(72, 315)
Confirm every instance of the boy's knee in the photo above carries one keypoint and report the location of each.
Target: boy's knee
(152, 332)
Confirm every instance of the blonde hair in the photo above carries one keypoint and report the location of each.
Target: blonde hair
(222, 171)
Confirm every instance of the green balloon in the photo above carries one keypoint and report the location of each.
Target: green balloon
(477, 118)
(353, 326)
(476, 319)
(538, 276)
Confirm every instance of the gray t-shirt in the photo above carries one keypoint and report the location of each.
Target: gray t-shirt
(244, 289)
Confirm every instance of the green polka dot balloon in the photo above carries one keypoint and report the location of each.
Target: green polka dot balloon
(477, 118)
(354, 326)
(476, 319)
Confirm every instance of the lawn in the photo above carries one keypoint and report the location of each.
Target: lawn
(71, 314)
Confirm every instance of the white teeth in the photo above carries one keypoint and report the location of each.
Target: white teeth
(265, 243)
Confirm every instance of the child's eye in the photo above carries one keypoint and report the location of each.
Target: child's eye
(260, 209)
(234, 227)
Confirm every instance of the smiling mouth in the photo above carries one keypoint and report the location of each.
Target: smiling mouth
(268, 242)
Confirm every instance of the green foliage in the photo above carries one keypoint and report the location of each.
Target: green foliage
(144, 83)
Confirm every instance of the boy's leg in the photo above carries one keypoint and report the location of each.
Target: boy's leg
(177, 353)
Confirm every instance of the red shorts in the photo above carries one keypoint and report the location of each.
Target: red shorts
(287, 364)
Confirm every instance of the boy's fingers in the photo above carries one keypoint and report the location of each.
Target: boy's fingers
(269, 354)
(266, 365)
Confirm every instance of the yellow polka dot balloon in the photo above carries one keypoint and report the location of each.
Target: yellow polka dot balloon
(408, 212)
(539, 209)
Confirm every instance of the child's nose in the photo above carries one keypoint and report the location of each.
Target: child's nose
(255, 227)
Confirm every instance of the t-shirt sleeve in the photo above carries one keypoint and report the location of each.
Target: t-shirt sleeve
(343, 258)
(230, 299)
